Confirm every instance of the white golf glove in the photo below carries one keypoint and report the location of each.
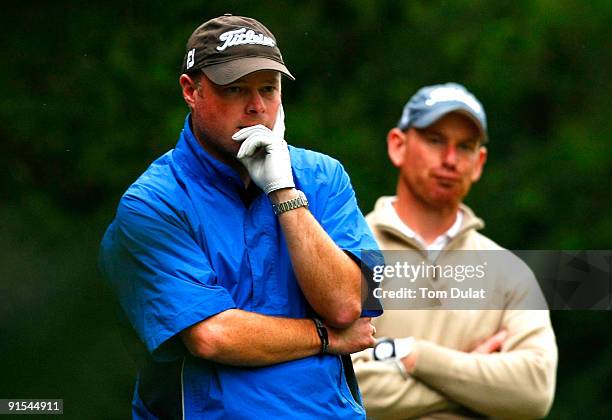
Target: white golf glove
(279, 124)
(265, 155)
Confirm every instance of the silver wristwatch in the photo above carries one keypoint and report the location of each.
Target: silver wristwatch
(294, 203)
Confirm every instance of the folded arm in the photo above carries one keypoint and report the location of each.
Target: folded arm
(387, 393)
(328, 277)
(243, 338)
(518, 381)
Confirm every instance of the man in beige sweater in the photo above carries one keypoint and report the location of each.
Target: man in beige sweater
(486, 361)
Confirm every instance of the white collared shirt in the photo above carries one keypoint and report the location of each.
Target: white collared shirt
(439, 243)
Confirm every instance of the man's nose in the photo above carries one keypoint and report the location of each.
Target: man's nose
(255, 104)
(449, 155)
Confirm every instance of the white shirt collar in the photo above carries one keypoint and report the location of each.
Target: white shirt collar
(439, 243)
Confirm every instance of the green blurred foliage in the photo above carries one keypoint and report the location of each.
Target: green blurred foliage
(91, 97)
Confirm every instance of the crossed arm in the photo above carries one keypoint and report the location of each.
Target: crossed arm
(242, 338)
(328, 277)
(514, 379)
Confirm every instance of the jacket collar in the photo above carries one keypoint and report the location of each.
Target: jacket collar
(200, 165)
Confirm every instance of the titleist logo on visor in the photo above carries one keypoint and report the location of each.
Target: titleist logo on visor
(243, 36)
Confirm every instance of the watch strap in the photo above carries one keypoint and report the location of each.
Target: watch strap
(294, 203)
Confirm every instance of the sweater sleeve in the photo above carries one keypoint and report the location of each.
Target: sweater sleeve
(518, 382)
(388, 394)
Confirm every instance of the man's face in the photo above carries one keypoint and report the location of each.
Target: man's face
(438, 164)
(219, 111)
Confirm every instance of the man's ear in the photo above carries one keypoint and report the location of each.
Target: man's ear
(189, 88)
(396, 146)
(482, 159)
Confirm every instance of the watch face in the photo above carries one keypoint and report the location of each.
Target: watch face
(383, 350)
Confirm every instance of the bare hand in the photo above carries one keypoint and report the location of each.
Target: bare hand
(491, 344)
(357, 337)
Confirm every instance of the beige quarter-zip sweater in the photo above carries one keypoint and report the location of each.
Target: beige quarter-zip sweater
(448, 382)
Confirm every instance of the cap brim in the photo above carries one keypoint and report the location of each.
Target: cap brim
(439, 111)
(230, 71)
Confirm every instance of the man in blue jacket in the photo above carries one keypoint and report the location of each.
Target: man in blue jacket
(236, 257)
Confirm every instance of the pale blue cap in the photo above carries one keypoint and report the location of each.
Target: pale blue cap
(431, 103)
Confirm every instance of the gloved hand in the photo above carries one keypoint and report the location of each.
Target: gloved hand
(266, 157)
(279, 124)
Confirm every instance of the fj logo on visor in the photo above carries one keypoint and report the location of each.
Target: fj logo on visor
(190, 58)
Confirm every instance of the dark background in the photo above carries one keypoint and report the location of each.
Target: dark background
(91, 96)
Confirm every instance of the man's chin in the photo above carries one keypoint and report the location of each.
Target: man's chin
(446, 200)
